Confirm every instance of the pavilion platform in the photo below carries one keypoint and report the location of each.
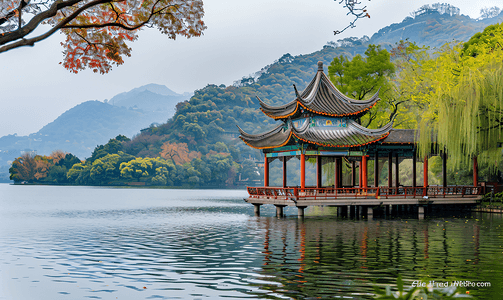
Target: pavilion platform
(369, 198)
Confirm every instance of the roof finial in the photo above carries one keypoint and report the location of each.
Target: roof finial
(320, 66)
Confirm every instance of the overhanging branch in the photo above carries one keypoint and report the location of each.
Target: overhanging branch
(19, 34)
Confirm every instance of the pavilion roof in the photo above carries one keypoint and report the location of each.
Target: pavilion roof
(353, 135)
(320, 97)
(277, 137)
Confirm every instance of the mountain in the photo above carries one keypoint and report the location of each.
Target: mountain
(150, 97)
(431, 28)
(431, 25)
(91, 123)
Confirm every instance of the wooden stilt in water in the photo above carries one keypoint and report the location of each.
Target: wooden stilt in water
(420, 212)
(300, 211)
(256, 209)
(279, 211)
(370, 212)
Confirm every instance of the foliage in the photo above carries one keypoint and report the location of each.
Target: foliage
(361, 77)
(97, 31)
(410, 83)
(29, 168)
(153, 170)
(178, 153)
(113, 146)
(36, 168)
(465, 109)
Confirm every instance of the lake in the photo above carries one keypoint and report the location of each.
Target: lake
(122, 243)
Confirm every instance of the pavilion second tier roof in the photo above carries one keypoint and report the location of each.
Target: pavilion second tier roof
(351, 135)
(277, 137)
(320, 97)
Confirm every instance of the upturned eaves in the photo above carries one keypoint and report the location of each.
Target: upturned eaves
(320, 97)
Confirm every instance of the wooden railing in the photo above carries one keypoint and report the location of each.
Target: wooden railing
(296, 193)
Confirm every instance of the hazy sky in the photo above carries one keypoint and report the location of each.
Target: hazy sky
(242, 37)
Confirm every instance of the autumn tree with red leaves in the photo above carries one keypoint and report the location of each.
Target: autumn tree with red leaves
(178, 153)
(29, 167)
(97, 31)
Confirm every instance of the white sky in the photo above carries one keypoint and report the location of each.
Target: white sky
(242, 37)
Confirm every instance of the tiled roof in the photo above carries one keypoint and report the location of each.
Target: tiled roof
(352, 135)
(321, 97)
(276, 137)
(402, 136)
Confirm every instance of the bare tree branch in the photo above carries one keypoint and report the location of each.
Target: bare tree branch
(358, 13)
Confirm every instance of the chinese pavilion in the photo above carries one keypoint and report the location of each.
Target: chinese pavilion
(322, 122)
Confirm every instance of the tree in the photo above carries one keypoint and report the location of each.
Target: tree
(410, 84)
(360, 77)
(465, 108)
(60, 164)
(97, 31)
(113, 146)
(178, 153)
(29, 168)
(157, 171)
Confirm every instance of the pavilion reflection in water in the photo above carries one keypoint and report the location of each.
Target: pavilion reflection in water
(323, 123)
(320, 258)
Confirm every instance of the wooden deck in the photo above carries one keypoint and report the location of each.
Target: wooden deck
(371, 196)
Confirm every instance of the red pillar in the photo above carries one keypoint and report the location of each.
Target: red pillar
(318, 171)
(284, 171)
(302, 171)
(475, 172)
(425, 172)
(364, 171)
(360, 181)
(266, 170)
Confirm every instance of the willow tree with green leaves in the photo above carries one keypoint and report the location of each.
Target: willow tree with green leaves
(465, 110)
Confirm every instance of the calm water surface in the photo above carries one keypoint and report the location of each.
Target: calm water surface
(108, 243)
